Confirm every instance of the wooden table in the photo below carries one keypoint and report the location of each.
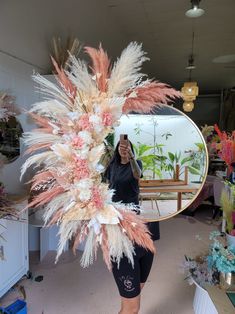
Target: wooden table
(179, 189)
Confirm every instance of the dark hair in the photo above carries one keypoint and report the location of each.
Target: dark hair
(116, 156)
(116, 159)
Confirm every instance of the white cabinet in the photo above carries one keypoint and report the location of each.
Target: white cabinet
(15, 251)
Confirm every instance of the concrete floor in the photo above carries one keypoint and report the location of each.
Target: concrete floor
(68, 289)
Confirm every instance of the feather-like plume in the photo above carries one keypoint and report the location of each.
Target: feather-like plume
(88, 254)
(80, 76)
(50, 108)
(38, 160)
(51, 90)
(66, 232)
(56, 203)
(100, 66)
(45, 197)
(125, 73)
(35, 138)
(63, 80)
(119, 244)
(149, 95)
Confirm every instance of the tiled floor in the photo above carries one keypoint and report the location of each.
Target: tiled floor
(69, 289)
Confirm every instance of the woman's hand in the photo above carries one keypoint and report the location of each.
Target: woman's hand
(124, 150)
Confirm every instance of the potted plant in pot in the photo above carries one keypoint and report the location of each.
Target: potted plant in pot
(228, 207)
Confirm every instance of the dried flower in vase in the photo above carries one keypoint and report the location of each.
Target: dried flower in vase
(7, 106)
(61, 50)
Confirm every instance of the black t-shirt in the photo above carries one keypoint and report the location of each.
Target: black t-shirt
(126, 186)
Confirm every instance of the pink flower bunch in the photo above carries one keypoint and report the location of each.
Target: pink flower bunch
(77, 142)
(107, 119)
(84, 122)
(82, 170)
(97, 199)
(226, 147)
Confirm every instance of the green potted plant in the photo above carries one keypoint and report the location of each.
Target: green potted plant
(174, 159)
(228, 207)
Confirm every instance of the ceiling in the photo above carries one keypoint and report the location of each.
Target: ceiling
(27, 26)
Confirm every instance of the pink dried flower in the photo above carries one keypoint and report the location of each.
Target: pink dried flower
(97, 198)
(77, 142)
(84, 122)
(232, 232)
(81, 169)
(107, 119)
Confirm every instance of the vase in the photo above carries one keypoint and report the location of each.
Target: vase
(227, 281)
(230, 240)
(202, 303)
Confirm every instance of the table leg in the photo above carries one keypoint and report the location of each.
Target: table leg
(179, 201)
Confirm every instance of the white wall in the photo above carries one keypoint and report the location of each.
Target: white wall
(15, 77)
(184, 133)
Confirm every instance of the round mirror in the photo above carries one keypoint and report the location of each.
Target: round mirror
(10, 133)
(174, 159)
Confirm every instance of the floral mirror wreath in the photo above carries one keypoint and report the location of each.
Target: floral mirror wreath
(74, 120)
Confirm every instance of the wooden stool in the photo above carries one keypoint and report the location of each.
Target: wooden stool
(150, 197)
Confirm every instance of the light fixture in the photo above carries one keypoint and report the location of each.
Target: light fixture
(195, 11)
(190, 89)
(191, 65)
(188, 106)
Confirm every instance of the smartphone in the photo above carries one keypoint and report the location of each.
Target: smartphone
(124, 139)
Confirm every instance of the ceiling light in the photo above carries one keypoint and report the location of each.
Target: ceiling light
(188, 106)
(224, 59)
(195, 11)
(191, 65)
(190, 91)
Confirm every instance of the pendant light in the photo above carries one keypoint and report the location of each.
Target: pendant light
(195, 11)
(190, 89)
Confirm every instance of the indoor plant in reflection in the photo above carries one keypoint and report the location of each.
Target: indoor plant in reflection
(152, 162)
(198, 159)
(151, 156)
(174, 159)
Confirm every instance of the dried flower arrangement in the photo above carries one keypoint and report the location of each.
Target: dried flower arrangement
(226, 147)
(206, 268)
(7, 106)
(7, 110)
(61, 50)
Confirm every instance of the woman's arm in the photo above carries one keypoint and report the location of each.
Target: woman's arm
(134, 166)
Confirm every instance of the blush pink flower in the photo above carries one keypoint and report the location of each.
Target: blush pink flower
(81, 170)
(84, 122)
(97, 198)
(77, 142)
(232, 233)
(107, 119)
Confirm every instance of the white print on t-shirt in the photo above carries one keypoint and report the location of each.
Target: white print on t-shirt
(127, 281)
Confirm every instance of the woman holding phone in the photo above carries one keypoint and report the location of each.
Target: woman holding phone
(123, 174)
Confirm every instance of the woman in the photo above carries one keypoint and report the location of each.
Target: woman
(123, 174)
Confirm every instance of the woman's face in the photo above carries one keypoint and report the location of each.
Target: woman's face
(123, 150)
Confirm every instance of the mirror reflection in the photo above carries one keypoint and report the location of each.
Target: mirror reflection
(174, 160)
